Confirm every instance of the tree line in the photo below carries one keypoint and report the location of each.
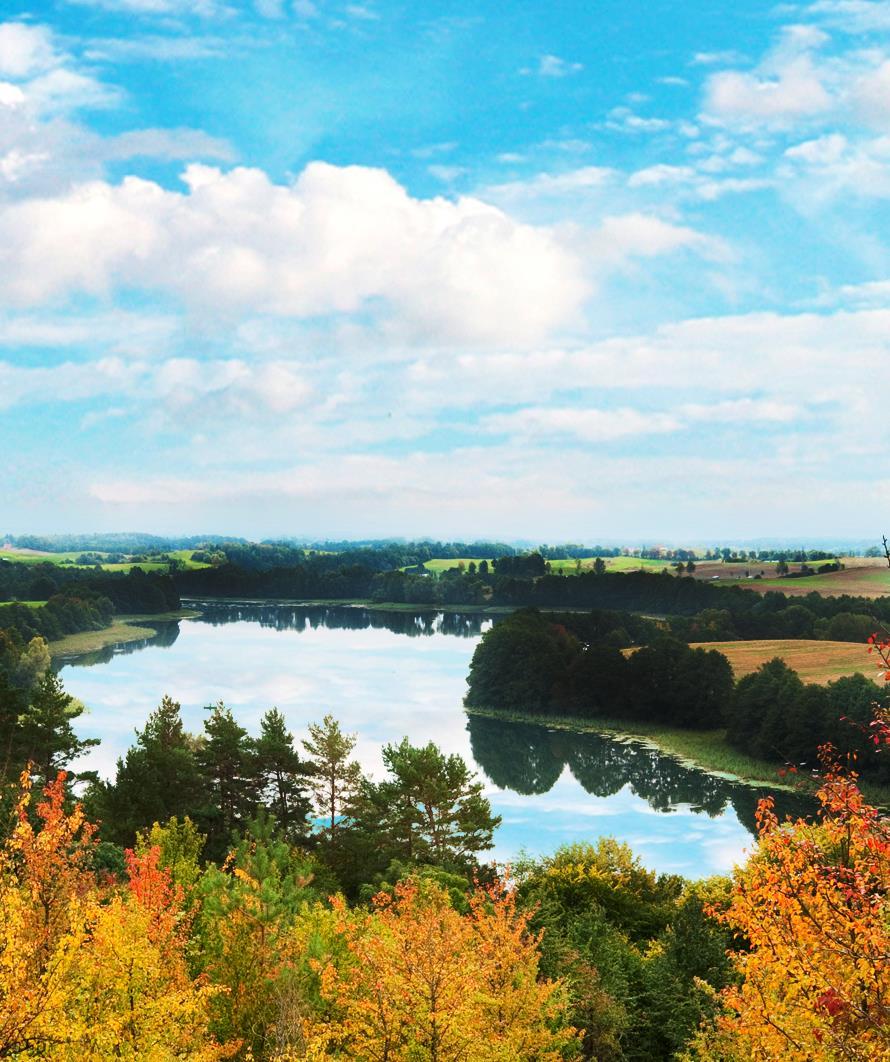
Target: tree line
(574, 665)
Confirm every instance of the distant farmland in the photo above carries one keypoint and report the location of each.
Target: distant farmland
(814, 661)
(68, 560)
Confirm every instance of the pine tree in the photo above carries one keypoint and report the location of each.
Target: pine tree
(335, 778)
(282, 776)
(227, 758)
(157, 779)
(46, 737)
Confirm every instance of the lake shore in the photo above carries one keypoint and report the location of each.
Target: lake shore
(123, 629)
(706, 750)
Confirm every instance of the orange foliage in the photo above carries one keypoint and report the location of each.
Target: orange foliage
(90, 971)
(813, 903)
(424, 981)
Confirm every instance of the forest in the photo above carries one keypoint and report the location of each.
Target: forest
(224, 895)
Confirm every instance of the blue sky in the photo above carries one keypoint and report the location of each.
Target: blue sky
(560, 271)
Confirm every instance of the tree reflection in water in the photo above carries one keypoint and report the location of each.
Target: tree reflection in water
(167, 633)
(529, 758)
(414, 623)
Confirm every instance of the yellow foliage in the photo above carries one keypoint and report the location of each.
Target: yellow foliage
(424, 982)
(90, 971)
(812, 902)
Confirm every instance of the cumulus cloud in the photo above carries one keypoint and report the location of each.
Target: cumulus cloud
(26, 50)
(337, 241)
(796, 91)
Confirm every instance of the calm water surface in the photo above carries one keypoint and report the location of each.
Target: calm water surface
(388, 675)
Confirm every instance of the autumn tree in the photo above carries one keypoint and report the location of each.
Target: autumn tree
(812, 906)
(423, 981)
(90, 971)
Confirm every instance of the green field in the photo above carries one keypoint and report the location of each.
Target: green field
(19, 557)
(814, 661)
(67, 559)
(29, 604)
(570, 565)
(443, 564)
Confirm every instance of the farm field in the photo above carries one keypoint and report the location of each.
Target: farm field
(33, 557)
(28, 604)
(814, 661)
(859, 581)
(613, 564)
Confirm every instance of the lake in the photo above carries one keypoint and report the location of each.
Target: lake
(385, 675)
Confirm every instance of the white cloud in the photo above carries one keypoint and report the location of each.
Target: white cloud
(852, 16)
(869, 97)
(161, 8)
(644, 235)
(165, 144)
(871, 293)
(829, 167)
(26, 50)
(337, 241)
(63, 90)
(554, 66)
(212, 388)
(588, 425)
(795, 92)
(822, 151)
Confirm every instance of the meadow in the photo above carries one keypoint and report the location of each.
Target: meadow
(68, 560)
(814, 661)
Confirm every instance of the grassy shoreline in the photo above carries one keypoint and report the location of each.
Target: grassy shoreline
(705, 750)
(123, 629)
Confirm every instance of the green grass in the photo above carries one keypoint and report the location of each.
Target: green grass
(38, 558)
(117, 633)
(66, 559)
(569, 565)
(442, 564)
(29, 604)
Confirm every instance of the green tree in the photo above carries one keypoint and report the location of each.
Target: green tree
(157, 779)
(227, 758)
(431, 808)
(282, 775)
(46, 736)
(243, 943)
(335, 778)
(599, 566)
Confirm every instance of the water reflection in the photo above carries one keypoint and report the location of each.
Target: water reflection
(529, 759)
(412, 622)
(384, 676)
(167, 633)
